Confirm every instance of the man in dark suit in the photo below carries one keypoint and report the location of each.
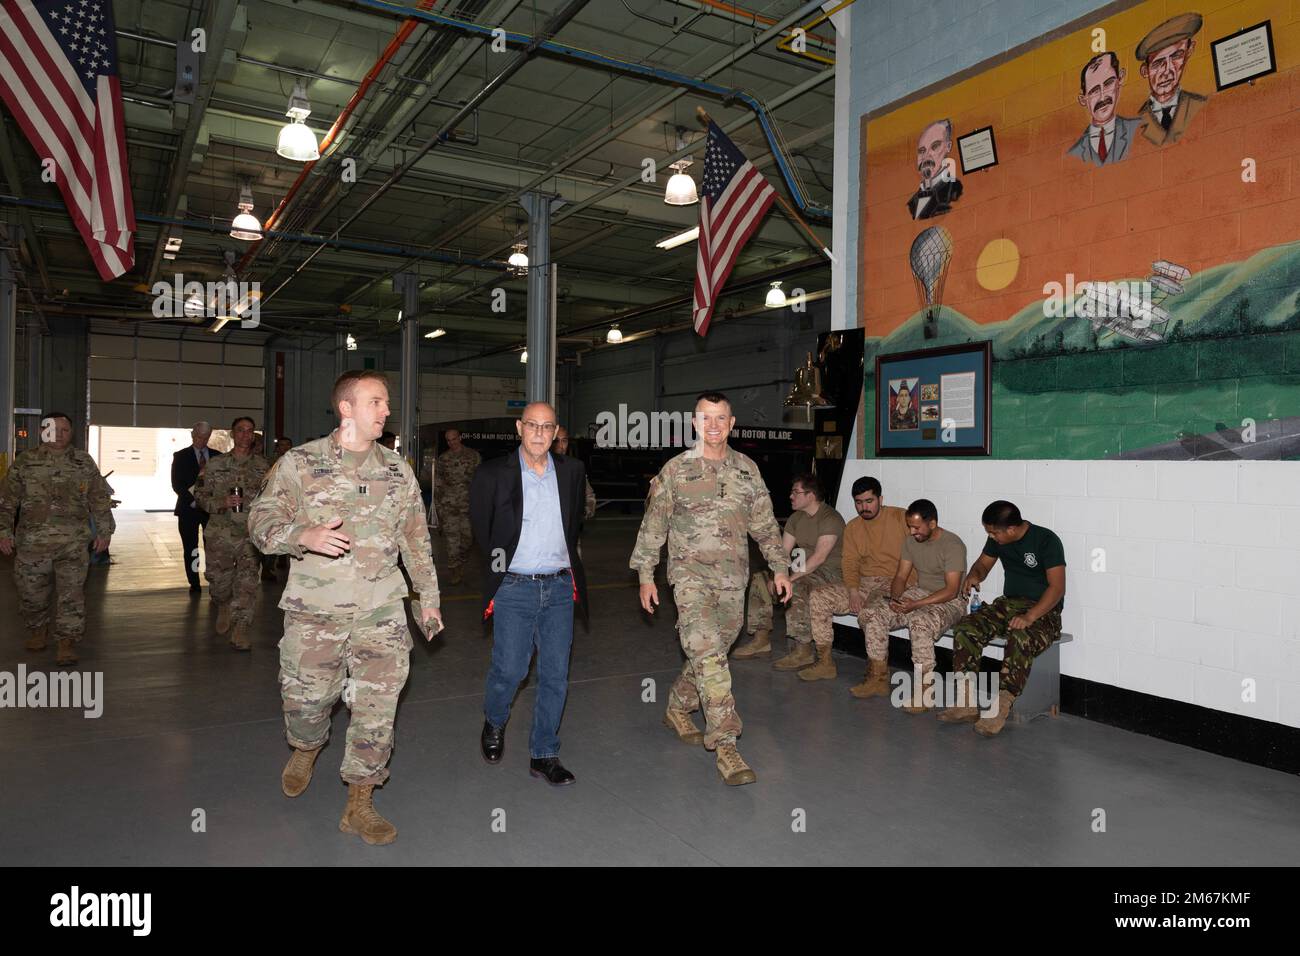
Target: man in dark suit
(187, 465)
(526, 510)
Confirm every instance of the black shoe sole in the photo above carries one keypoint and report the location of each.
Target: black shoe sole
(563, 783)
(491, 761)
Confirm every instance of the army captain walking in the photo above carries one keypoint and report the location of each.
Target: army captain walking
(704, 502)
(346, 507)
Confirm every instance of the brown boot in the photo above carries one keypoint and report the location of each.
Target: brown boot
(918, 705)
(361, 817)
(824, 669)
(735, 772)
(759, 644)
(65, 655)
(297, 772)
(680, 723)
(801, 656)
(223, 617)
(38, 640)
(992, 726)
(875, 683)
(239, 639)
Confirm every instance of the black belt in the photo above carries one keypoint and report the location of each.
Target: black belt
(537, 577)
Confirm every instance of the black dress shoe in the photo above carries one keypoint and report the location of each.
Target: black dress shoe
(493, 742)
(550, 769)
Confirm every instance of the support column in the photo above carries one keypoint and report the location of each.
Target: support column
(8, 342)
(539, 380)
(408, 285)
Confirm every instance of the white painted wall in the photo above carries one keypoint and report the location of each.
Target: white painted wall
(1201, 588)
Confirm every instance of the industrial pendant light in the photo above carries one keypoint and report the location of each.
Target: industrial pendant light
(613, 336)
(681, 187)
(297, 141)
(245, 225)
(775, 297)
(518, 261)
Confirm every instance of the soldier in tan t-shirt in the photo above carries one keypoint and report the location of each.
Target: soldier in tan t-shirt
(873, 545)
(927, 608)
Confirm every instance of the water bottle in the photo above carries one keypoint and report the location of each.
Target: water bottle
(974, 600)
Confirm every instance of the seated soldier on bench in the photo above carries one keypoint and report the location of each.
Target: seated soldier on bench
(1028, 614)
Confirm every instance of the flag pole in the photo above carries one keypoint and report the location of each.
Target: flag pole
(793, 214)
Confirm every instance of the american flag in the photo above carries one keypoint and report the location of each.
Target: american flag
(58, 76)
(736, 198)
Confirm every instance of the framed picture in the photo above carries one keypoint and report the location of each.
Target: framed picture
(977, 150)
(1244, 55)
(935, 402)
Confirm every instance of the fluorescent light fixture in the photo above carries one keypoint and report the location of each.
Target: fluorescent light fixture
(672, 242)
(775, 297)
(435, 333)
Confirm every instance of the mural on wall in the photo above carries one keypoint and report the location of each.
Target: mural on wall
(1139, 280)
(940, 187)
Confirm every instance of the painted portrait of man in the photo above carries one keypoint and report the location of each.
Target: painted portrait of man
(940, 187)
(902, 410)
(1163, 55)
(1108, 136)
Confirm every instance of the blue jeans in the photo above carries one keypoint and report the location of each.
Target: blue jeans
(531, 613)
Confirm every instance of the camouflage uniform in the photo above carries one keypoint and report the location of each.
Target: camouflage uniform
(55, 495)
(973, 633)
(234, 565)
(591, 500)
(831, 599)
(451, 499)
(798, 616)
(758, 604)
(345, 613)
(705, 509)
(924, 625)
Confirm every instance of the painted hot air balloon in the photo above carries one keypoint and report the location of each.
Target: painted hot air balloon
(930, 255)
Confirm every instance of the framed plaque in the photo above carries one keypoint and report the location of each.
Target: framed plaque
(978, 150)
(1244, 55)
(935, 402)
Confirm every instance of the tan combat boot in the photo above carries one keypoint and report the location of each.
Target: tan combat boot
(992, 726)
(37, 641)
(824, 669)
(735, 772)
(239, 639)
(65, 654)
(361, 817)
(759, 643)
(797, 658)
(223, 617)
(875, 683)
(918, 705)
(680, 723)
(297, 772)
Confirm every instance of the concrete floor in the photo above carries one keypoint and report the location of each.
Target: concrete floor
(189, 724)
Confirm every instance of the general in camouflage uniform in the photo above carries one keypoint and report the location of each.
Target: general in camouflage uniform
(455, 467)
(234, 565)
(54, 491)
(705, 502)
(345, 508)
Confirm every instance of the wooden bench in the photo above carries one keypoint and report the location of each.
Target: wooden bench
(1042, 693)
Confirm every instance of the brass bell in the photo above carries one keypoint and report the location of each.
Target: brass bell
(807, 390)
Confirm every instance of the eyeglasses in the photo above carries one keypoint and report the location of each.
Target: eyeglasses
(547, 428)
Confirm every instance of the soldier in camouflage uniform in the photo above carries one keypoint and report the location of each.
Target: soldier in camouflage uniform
(1028, 614)
(232, 560)
(55, 490)
(704, 502)
(927, 608)
(561, 446)
(344, 508)
(455, 467)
